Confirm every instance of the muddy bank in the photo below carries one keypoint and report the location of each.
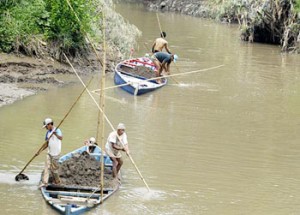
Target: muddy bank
(22, 76)
(84, 170)
(198, 8)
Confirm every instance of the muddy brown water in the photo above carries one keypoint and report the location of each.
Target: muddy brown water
(225, 141)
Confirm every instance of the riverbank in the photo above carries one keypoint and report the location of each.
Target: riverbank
(271, 22)
(40, 66)
(22, 76)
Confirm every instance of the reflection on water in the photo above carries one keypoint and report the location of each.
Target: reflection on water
(223, 141)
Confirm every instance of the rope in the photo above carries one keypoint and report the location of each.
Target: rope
(150, 79)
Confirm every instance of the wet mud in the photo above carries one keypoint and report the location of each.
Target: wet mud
(22, 76)
(84, 170)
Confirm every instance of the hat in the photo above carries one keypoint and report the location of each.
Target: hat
(92, 140)
(46, 122)
(121, 126)
(175, 58)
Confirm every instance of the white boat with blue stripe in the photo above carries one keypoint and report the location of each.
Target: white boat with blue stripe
(78, 199)
(137, 76)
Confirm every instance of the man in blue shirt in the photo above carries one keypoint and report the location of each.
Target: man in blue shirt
(162, 62)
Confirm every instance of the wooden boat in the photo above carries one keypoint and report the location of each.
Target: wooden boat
(78, 199)
(133, 75)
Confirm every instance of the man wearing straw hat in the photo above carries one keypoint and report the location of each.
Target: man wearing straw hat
(117, 142)
(160, 43)
(53, 138)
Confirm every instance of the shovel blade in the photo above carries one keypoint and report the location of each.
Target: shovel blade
(21, 177)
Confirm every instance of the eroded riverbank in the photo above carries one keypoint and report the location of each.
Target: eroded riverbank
(24, 76)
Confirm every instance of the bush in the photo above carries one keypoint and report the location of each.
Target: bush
(23, 19)
(18, 20)
(26, 24)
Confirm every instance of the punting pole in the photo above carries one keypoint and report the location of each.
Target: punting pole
(174, 79)
(102, 105)
(20, 176)
(107, 120)
(166, 76)
(94, 98)
(87, 36)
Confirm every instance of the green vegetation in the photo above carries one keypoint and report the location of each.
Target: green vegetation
(39, 27)
(297, 6)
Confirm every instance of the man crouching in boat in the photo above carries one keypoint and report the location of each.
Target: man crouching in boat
(162, 62)
(115, 145)
(53, 138)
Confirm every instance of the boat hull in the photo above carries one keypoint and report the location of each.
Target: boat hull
(77, 199)
(134, 83)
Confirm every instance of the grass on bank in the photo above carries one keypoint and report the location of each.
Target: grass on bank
(28, 26)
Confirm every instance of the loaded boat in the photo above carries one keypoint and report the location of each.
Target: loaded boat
(76, 199)
(137, 76)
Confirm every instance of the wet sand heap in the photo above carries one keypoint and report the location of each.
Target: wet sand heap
(84, 170)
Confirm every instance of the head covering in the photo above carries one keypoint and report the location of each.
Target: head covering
(46, 122)
(92, 140)
(175, 58)
(163, 34)
(121, 126)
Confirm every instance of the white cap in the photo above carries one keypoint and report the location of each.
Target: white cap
(121, 126)
(175, 58)
(46, 122)
(92, 140)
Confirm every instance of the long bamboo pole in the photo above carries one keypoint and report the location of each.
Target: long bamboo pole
(107, 120)
(174, 79)
(166, 76)
(87, 36)
(102, 104)
(69, 111)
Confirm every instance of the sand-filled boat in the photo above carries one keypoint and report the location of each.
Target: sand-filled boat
(80, 189)
(137, 76)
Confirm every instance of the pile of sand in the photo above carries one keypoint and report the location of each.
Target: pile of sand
(84, 170)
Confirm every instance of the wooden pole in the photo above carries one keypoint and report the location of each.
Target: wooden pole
(39, 151)
(105, 117)
(107, 120)
(87, 36)
(102, 105)
(174, 79)
(150, 79)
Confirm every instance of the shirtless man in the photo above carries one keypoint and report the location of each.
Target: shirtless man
(160, 43)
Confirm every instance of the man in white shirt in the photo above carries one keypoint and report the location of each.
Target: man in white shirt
(117, 142)
(53, 138)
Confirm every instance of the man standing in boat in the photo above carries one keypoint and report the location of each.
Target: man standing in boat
(160, 43)
(117, 142)
(53, 138)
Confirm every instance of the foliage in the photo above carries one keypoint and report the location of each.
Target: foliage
(64, 27)
(25, 24)
(297, 6)
(18, 20)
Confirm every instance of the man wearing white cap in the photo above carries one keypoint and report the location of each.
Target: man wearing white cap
(162, 62)
(53, 138)
(90, 144)
(117, 142)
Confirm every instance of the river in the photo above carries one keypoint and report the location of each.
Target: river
(223, 141)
